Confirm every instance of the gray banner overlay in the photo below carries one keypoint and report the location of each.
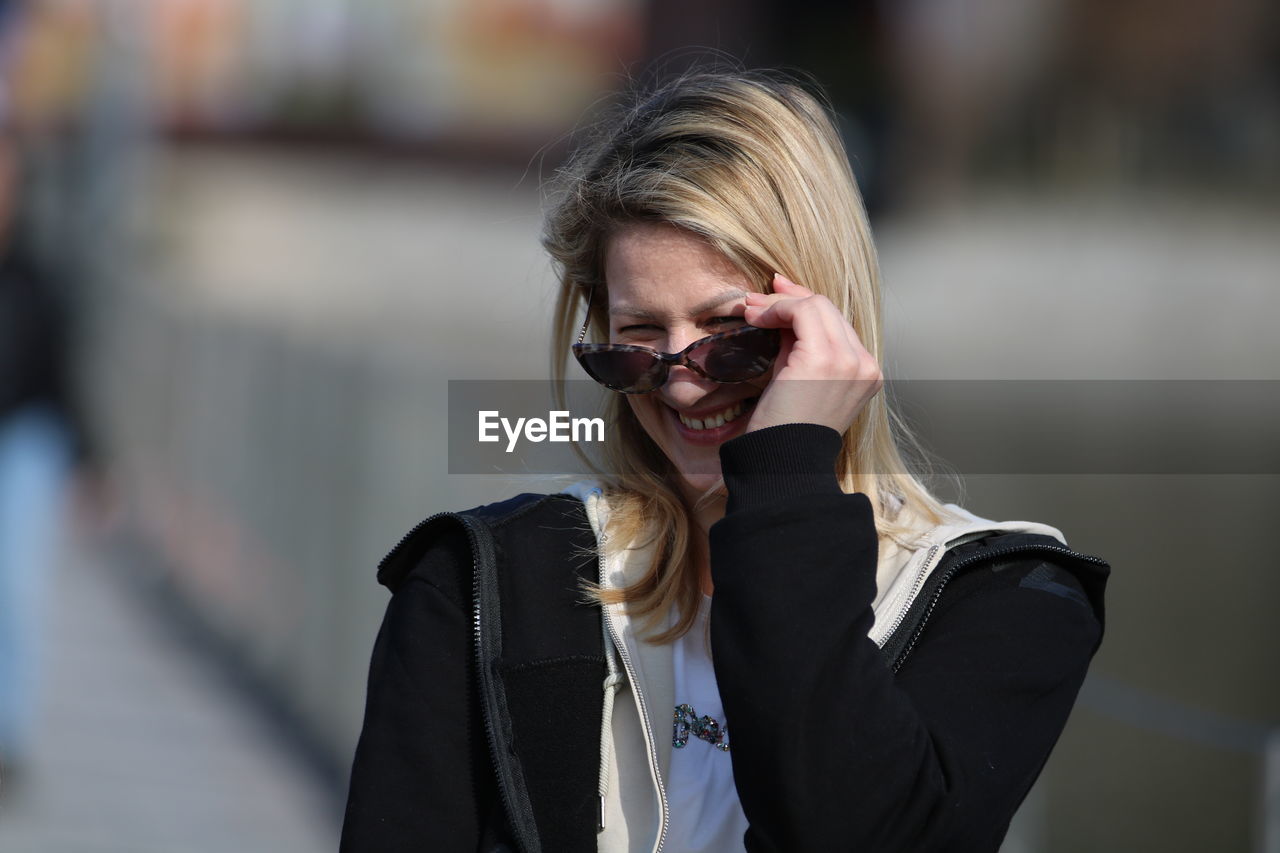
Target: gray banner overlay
(966, 426)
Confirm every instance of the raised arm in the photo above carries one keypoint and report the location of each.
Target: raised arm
(831, 751)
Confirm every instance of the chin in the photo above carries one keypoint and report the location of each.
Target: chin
(692, 445)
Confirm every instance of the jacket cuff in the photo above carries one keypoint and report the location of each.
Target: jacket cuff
(778, 463)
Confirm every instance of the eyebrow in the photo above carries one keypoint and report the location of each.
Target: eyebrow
(715, 301)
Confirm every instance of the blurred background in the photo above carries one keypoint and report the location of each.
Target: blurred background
(245, 243)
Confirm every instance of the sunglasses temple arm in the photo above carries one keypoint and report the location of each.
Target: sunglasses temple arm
(586, 320)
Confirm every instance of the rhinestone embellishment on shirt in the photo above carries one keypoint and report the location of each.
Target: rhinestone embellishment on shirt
(687, 721)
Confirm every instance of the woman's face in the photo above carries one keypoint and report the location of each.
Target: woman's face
(667, 289)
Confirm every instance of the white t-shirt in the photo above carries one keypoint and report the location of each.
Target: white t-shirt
(705, 815)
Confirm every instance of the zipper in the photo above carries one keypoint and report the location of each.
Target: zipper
(520, 814)
(412, 533)
(491, 704)
(650, 745)
(921, 574)
(627, 665)
(476, 624)
(952, 571)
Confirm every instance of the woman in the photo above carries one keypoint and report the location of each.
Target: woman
(882, 673)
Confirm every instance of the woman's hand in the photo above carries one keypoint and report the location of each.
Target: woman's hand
(820, 347)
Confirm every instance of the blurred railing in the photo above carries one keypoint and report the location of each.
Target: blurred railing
(270, 444)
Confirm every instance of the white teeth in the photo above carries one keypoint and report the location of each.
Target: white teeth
(718, 419)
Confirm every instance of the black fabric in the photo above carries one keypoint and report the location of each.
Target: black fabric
(778, 463)
(557, 734)
(422, 777)
(1004, 550)
(409, 551)
(549, 612)
(33, 337)
(553, 666)
(36, 343)
(831, 749)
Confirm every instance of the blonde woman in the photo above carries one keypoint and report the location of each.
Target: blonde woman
(756, 630)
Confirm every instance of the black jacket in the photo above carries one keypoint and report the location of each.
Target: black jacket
(33, 335)
(483, 713)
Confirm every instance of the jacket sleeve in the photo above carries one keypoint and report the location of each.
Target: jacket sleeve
(831, 751)
(414, 779)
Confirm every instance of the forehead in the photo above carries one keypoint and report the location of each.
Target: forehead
(656, 266)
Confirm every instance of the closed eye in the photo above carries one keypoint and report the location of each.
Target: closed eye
(639, 334)
(639, 328)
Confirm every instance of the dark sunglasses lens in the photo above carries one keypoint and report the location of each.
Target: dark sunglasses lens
(740, 356)
(624, 370)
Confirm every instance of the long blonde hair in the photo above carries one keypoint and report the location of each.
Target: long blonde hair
(751, 162)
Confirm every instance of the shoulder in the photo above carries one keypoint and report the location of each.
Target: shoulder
(1023, 578)
(440, 550)
(1009, 602)
(982, 555)
(521, 563)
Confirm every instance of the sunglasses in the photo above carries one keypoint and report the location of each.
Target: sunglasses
(733, 356)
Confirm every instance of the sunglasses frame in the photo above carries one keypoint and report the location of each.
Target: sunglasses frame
(667, 360)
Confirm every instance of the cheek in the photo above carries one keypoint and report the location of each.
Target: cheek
(647, 412)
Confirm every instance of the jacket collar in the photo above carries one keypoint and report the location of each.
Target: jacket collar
(902, 568)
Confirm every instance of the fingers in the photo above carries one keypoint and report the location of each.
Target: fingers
(819, 343)
(782, 284)
(806, 316)
(797, 307)
(783, 288)
(822, 333)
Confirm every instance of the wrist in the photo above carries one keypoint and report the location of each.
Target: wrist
(780, 462)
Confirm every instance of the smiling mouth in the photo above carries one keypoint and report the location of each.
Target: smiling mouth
(718, 419)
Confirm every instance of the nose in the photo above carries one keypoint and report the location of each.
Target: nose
(685, 386)
(680, 337)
